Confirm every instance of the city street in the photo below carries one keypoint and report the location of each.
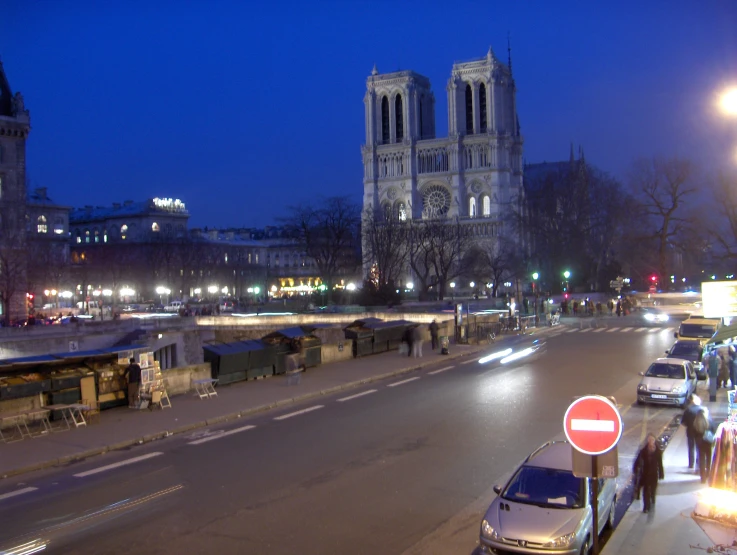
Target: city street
(401, 466)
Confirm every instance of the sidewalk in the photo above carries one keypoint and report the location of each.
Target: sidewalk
(122, 427)
(670, 529)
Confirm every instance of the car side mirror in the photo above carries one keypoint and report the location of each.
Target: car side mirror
(641, 373)
(675, 334)
(666, 352)
(497, 489)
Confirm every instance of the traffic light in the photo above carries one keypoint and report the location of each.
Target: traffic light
(653, 278)
(565, 296)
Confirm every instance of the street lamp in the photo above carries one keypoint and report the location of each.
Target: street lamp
(728, 102)
(566, 275)
(535, 277)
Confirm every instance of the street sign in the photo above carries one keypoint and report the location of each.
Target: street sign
(607, 465)
(616, 284)
(593, 424)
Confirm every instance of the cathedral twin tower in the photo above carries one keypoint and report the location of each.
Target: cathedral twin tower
(473, 174)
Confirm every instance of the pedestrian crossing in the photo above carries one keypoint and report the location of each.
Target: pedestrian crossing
(630, 329)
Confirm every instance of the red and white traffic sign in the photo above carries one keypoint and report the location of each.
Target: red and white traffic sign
(593, 424)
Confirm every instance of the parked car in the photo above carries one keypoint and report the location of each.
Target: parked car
(698, 329)
(668, 381)
(544, 508)
(174, 306)
(689, 350)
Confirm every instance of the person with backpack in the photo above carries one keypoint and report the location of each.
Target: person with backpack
(704, 431)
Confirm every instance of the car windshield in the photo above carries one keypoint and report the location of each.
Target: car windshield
(546, 487)
(696, 330)
(689, 352)
(663, 370)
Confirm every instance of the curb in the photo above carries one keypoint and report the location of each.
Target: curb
(61, 461)
(67, 459)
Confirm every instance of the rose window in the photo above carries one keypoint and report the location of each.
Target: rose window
(435, 201)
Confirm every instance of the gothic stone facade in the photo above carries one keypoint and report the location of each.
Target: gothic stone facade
(474, 174)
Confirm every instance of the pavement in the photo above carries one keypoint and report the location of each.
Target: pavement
(121, 427)
(672, 529)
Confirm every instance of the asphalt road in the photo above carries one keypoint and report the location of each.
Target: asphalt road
(402, 466)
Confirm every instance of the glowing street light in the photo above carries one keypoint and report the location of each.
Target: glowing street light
(212, 289)
(161, 290)
(410, 285)
(566, 274)
(351, 287)
(728, 102)
(535, 275)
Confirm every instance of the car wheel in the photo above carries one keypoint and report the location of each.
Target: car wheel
(585, 549)
(610, 519)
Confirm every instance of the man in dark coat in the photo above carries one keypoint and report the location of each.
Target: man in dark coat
(434, 334)
(133, 375)
(649, 469)
(704, 428)
(687, 420)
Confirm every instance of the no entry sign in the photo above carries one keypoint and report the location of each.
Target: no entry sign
(592, 424)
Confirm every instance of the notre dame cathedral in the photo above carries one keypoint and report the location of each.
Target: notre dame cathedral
(473, 176)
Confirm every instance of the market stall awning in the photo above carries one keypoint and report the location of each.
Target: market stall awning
(724, 334)
(290, 333)
(221, 349)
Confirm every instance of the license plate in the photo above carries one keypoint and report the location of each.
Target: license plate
(654, 396)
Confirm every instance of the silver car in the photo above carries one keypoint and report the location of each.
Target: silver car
(544, 508)
(668, 381)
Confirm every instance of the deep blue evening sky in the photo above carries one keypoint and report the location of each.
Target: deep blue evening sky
(241, 108)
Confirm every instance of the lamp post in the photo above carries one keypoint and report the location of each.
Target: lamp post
(566, 275)
(535, 277)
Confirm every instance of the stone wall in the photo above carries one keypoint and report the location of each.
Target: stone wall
(179, 380)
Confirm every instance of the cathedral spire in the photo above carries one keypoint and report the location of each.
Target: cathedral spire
(509, 53)
(374, 71)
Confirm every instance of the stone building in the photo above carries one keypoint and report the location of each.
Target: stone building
(473, 174)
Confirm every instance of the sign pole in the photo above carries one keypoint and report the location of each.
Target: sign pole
(594, 506)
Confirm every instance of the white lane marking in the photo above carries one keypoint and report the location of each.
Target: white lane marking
(303, 411)
(584, 425)
(441, 370)
(610, 330)
(627, 329)
(16, 492)
(572, 330)
(223, 434)
(357, 395)
(117, 464)
(470, 361)
(640, 329)
(586, 330)
(653, 330)
(599, 330)
(667, 329)
(395, 384)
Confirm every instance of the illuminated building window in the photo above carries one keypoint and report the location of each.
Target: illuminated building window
(226, 257)
(41, 226)
(104, 236)
(59, 226)
(472, 207)
(249, 257)
(469, 110)
(97, 236)
(155, 227)
(79, 238)
(486, 206)
(86, 235)
(256, 258)
(123, 231)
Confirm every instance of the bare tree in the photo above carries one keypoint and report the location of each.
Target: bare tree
(724, 231)
(492, 260)
(13, 272)
(662, 186)
(328, 233)
(385, 248)
(437, 248)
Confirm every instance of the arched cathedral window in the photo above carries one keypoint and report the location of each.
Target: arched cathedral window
(472, 207)
(399, 118)
(384, 120)
(469, 110)
(486, 206)
(482, 107)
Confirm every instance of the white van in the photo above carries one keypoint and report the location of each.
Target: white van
(174, 306)
(698, 328)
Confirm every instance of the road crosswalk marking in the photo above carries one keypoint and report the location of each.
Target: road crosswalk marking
(599, 330)
(627, 329)
(653, 330)
(610, 330)
(641, 329)
(586, 330)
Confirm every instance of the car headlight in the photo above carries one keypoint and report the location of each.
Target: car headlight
(678, 389)
(561, 542)
(642, 388)
(487, 531)
(664, 318)
(650, 317)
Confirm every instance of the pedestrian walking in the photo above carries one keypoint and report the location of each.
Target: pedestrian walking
(732, 366)
(704, 430)
(133, 375)
(416, 342)
(713, 369)
(687, 420)
(434, 334)
(619, 309)
(724, 364)
(407, 340)
(648, 469)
